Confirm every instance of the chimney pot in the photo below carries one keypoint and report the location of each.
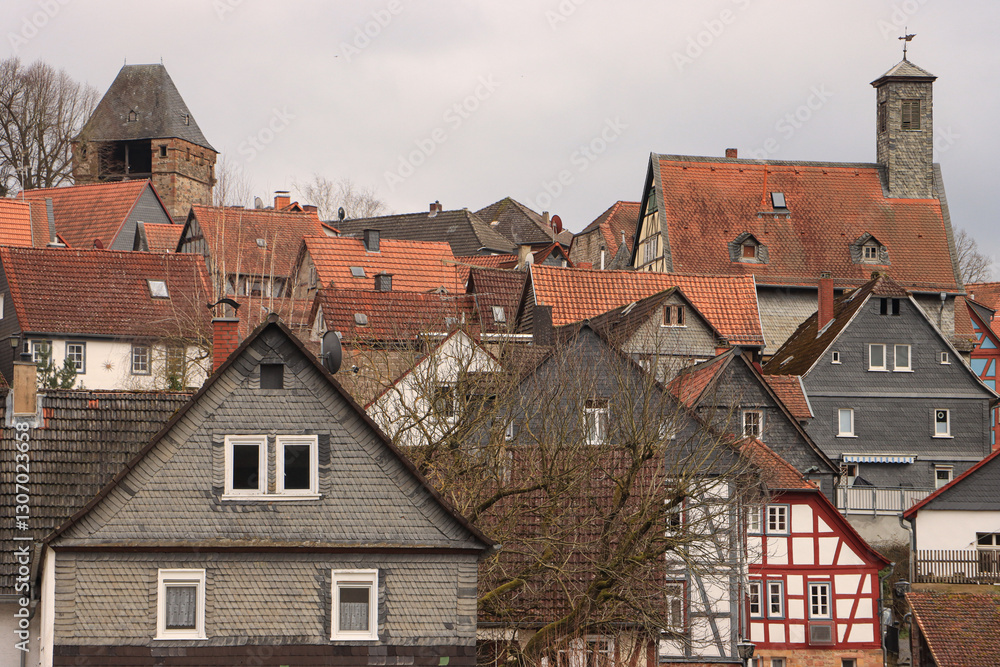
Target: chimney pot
(825, 310)
(732, 152)
(541, 325)
(225, 339)
(383, 282)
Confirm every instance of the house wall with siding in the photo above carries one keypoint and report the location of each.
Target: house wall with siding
(148, 210)
(681, 344)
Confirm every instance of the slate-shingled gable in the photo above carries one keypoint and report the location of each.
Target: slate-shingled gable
(463, 230)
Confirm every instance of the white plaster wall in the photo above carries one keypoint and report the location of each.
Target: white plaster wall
(952, 529)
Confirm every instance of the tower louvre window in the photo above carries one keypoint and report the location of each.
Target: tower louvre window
(911, 115)
(883, 116)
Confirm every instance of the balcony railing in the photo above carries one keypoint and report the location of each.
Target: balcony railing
(877, 500)
(957, 566)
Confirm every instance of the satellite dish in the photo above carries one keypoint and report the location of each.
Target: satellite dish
(341, 213)
(331, 352)
(258, 202)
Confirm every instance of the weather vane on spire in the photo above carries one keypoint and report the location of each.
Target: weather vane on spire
(906, 39)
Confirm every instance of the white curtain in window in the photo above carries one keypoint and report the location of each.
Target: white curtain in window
(182, 602)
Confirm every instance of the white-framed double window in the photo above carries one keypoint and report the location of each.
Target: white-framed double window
(595, 421)
(775, 598)
(355, 605)
(180, 604)
(845, 423)
(755, 598)
(777, 519)
(819, 600)
(296, 467)
(76, 353)
(753, 423)
(141, 360)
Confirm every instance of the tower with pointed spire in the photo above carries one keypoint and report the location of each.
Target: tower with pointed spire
(143, 129)
(905, 130)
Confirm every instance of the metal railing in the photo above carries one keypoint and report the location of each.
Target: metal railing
(878, 500)
(957, 566)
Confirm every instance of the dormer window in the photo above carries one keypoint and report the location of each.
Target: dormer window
(749, 250)
(133, 116)
(746, 248)
(870, 252)
(867, 249)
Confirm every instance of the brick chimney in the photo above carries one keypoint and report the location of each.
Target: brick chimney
(281, 199)
(825, 300)
(732, 152)
(225, 339)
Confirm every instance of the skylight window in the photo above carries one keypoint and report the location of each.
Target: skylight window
(158, 289)
(358, 271)
(261, 243)
(778, 200)
(361, 319)
(498, 314)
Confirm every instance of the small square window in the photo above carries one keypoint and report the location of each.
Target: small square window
(775, 599)
(777, 662)
(819, 600)
(870, 253)
(753, 422)
(777, 519)
(272, 376)
(298, 466)
(77, 353)
(163, 150)
(498, 314)
(845, 423)
(942, 476)
(40, 349)
(180, 604)
(942, 423)
(158, 289)
(355, 605)
(749, 251)
(835, 358)
(876, 357)
(246, 465)
(848, 662)
(944, 358)
(902, 358)
(140, 360)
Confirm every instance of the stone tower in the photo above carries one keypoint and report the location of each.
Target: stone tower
(143, 129)
(905, 130)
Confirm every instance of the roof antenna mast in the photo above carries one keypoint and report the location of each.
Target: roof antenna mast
(907, 38)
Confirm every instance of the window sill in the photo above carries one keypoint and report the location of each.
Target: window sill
(944, 437)
(878, 370)
(846, 435)
(902, 370)
(184, 636)
(269, 497)
(673, 326)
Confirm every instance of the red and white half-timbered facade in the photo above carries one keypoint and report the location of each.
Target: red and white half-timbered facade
(813, 582)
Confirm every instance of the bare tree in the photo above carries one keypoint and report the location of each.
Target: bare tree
(327, 197)
(973, 266)
(41, 110)
(233, 185)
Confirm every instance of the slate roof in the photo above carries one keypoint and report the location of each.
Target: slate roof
(231, 236)
(497, 287)
(15, 222)
(105, 293)
(519, 224)
(620, 218)
(791, 392)
(467, 234)
(163, 238)
(392, 316)
(84, 213)
(974, 490)
(416, 266)
(85, 438)
(729, 303)
(800, 351)
(961, 629)
(705, 203)
(987, 294)
(150, 92)
(904, 69)
(620, 323)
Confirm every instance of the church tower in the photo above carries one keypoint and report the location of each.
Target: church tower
(905, 130)
(143, 129)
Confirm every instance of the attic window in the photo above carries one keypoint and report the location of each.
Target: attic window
(163, 150)
(778, 200)
(272, 376)
(870, 252)
(158, 289)
(132, 116)
(498, 314)
(746, 248)
(261, 243)
(749, 250)
(358, 271)
(187, 119)
(361, 319)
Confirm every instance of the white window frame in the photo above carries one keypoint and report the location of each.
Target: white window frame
(354, 579)
(148, 362)
(36, 349)
(908, 368)
(760, 423)
(816, 599)
(236, 494)
(947, 423)
(872, 366)
(872, 248)
(835, 357)
(754, 524)
(596, 410)
(759, 587)
(81, 367)
(674, 592)
(180, 577)
(312, 441)
(771, 586)
(938, 483)
(841, 433)
(780, 515)
(944, 358)
(1, 305)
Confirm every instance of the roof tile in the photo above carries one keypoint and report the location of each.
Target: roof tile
(467, 234)
(416, 266)
(961, 629)
(15, 222)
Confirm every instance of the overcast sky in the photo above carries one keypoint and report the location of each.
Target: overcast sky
(468, 102)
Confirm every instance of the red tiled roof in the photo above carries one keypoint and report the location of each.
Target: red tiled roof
(776, 472)
(392, 316)
(110, 294)
(987, 294)
(620, 218)
(163, 238)
(789, 390)
(729, 303)
(416, 266)
(964, 333)
(232, 233)
(706, 202)
(84, 213)
(691, 382)
(961, 629)
(497, 287)
(15, 222)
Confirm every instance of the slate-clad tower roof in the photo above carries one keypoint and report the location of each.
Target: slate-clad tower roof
(159, 108)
